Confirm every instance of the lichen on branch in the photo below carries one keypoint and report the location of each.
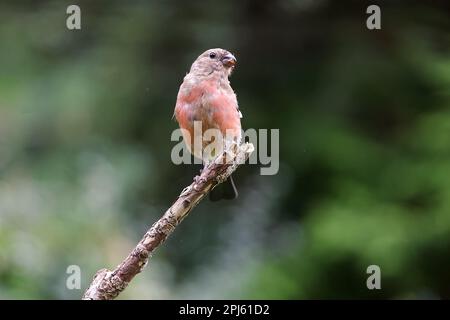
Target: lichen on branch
(107, 284)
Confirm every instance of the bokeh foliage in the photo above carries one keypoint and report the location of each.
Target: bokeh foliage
(364, 119)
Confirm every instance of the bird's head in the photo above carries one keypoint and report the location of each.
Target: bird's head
(212, 60)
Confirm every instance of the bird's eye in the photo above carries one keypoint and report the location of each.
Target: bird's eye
(212, 55)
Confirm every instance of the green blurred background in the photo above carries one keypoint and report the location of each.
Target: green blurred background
(364, 119)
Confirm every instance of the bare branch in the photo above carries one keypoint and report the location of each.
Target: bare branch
(107, 284)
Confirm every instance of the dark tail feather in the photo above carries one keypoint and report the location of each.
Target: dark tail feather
(224, 191)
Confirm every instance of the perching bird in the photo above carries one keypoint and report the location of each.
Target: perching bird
(207, 97)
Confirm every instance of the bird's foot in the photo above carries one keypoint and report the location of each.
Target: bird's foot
(199, 179)
(231, 151)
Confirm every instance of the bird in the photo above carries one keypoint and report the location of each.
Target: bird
(205, 97)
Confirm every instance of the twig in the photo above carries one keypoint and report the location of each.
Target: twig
(107, 284)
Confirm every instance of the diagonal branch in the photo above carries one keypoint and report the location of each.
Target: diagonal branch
(107, 284)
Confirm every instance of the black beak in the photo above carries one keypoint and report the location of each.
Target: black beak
(228, 60)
